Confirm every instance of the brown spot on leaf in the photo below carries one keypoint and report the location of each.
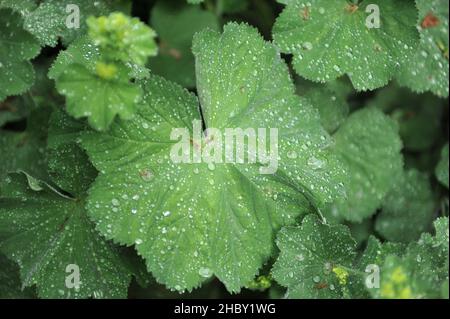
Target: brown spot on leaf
(145, 174)
(305, 13)
(430, 21)
(165, 48)
(175, 54)
(321, 285)
(352, 8)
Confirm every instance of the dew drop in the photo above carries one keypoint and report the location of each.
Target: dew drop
(115, 202)
(147, 175)
(205, 272)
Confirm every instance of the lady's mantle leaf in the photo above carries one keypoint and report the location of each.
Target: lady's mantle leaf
(370, 145)
(45, 232)
(51, 20)
(314, 259)
(408, 209)
(331, 38)
(94, 89)
(10, 285)
(421, 272)
(17, 47)
(428, 69)
(193, 221)
(176, 26)
(20, 6)
(25, 150)
(330, 99)
(68, 164)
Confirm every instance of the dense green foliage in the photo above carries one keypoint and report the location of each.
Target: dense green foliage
(356, 207)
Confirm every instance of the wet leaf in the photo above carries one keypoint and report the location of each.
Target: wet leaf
(53, 20)
(25, 151)
(421, 272)
(370, 145)
(10, 285)
(330, 99)
(45, 232)
(193, 221)
(408, 209)
(314, 258)
(330, 39)
(94, 89)
(17, 47)
(428, 68)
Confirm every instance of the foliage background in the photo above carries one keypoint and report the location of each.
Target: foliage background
(402, 215)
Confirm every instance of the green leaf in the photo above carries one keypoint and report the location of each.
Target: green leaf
(419, 116)
(374, 254)
(41, 95)
(421, 272)
(314, 258)
(428, 69)
(330, 99)
(362, 231)
(17, 47)
(192, 221)
(440, 240)
(21, 6)
(195, 1)
(331, 38)
(48, 22)
(442, 167)
(10, 285)
(45, 232)
(69, 166)
(176, 26)
(408, 209)
(45, 229)
(92, 88)
(25, 150)
(226, 6)
(369, 144)
(11, 111)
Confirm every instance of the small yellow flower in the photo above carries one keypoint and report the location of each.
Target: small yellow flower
(106, 71)
(341, 274)
(398, 275)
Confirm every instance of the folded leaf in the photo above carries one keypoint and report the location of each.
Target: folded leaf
(47, 233)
